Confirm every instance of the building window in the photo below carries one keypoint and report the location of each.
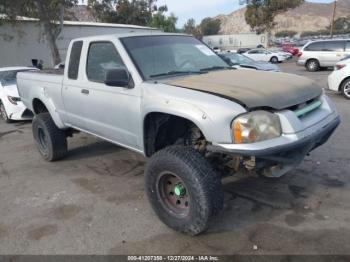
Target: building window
(220, 41)
(209, 42)
(231, 41)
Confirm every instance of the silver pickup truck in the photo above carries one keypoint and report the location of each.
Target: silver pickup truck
(172, 99)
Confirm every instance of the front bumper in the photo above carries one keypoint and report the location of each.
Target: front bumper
(301, 62)
(305, 144)
(275, 161)
(18, 112)
(334, 80)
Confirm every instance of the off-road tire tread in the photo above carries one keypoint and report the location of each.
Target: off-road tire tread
(200, 173)
(57, 137)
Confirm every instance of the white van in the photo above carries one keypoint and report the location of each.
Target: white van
(323, 53)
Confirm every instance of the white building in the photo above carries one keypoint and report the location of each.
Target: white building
(25, 41)
(236, 41)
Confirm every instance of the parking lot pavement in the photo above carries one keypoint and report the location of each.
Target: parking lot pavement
(93, 201)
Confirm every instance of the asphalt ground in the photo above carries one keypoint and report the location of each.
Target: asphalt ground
(93, 201)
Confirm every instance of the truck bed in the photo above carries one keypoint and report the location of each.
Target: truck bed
(38, 84)
(51, 71)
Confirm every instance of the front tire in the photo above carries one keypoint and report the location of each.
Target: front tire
(3, 113)
(274, 60)
(312, 65)
(183, 189)
(345, 88)
(51, 141)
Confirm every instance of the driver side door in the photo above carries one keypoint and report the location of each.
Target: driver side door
(111, 112)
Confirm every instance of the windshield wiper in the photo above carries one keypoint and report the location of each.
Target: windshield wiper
(213, 68)
(174, 73)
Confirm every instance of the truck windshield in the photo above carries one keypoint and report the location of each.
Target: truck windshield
(171, 55)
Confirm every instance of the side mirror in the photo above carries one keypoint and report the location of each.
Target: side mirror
(117, 77)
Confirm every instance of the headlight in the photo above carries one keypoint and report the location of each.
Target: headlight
(255, 126)
(13, 100)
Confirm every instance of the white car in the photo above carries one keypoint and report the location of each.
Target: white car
(339, 79)
(11, 106)
(265, 55)
(282, 53)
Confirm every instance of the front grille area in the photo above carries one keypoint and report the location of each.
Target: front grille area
(303, 109)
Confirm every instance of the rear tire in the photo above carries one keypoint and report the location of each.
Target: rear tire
(312, 65)
(183, 167)
(3, 113)
(51, 141)
(345, 88)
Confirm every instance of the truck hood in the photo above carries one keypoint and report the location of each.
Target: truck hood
(253, 89)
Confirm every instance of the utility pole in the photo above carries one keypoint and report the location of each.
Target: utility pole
(333, 18)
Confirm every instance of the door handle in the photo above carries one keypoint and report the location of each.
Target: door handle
(85, 91)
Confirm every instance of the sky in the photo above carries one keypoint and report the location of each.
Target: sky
(199, 9)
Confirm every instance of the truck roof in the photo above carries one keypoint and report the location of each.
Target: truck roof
(123, 35)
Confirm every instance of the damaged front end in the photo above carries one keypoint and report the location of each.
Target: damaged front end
(275, 161)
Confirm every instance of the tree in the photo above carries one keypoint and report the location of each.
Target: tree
(161, 21)
(210, 26)
(341, 24)
(49, 12)
(260, 14)
(136, 12)
(102, 10)
(191, 28)
(286, 33)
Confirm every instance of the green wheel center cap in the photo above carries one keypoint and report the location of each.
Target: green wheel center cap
(180, 190)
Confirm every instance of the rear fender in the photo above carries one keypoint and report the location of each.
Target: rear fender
(51, 108)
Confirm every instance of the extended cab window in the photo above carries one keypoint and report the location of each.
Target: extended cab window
(102, 56)
(74, 60)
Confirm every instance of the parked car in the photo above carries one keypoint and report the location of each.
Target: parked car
(243, 50)
(183, 107)
(216, 49)
(11, 106)
(323, 53)
(241, 61)
(282, 53)
(265, 55)
(339, 79)
(288, 47)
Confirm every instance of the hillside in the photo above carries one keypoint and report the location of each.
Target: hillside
(307, 17)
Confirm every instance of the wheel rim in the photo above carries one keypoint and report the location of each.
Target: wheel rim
(274, 59)
(3, 112)
(312, 65)
(173, 194)
(347, 89)
(42, 140)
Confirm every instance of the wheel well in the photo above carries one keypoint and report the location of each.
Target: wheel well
(162, 130)
(39, 107)
(342, 82)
